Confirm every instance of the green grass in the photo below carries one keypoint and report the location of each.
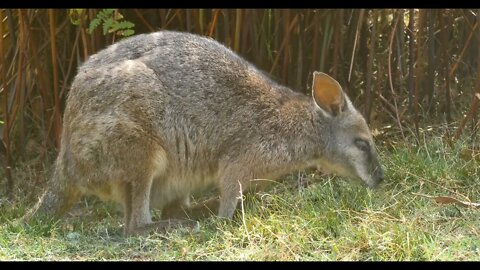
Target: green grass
(332, 219)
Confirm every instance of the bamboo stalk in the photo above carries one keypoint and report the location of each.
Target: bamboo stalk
(188, 20)
(144, 21)
(257, 35)
(445, 64)
(214, 22)
(389, 108)
(44, 85)
(430, 86)
(286, 51)
(460, 57)
(93, 37)
(316, 29)
(300, 54)
(411, 57)
(419, 68)
(176, 15)
(476, 98)
(18, 107)
(325, 42)
(201, 15)
(400, 41)
(84, 37)
(238, 24)
(162, 14)
(56, 113)
(71, 64)
(6, 128)
(371, 55)
(337, 47)
(411, 68)
(357, 34)
(180, 20)
(245, 32)
(226, 29)
(394, 95)
(284, 43)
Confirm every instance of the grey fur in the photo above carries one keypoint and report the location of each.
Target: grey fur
(155, 117)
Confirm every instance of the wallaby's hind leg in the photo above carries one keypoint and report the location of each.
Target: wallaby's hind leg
(210, 207)
(176, 209)
(137, 204)
(196, 211)
(204, 209)
(137, 211)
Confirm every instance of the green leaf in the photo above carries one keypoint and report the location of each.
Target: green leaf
(107, 25)
(125, 25)
(127, 32)
(75, 15)
(105, 13)
(93, 24)
(111, 24)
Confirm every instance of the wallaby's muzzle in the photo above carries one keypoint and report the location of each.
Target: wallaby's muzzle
(377, 177)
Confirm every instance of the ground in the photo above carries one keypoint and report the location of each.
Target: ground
(330, 219)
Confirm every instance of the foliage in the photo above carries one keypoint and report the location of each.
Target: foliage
(111, 22)
(76, 15)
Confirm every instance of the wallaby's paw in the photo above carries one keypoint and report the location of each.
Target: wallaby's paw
(196, 228)
(164, 226)
(190, 225)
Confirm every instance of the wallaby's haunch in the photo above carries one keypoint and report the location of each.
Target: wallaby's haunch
(154, 117)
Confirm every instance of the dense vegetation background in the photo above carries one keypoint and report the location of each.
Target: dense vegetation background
(411, 72)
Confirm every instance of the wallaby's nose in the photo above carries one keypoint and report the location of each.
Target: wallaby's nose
(378, 175)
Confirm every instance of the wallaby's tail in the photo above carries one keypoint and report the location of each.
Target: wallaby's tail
(46, 206)
(57, 199)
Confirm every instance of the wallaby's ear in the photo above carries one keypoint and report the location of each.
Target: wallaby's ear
(327, 93)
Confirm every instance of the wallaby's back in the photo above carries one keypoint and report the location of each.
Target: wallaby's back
(179, 112)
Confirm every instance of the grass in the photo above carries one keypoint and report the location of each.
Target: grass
(332, 219)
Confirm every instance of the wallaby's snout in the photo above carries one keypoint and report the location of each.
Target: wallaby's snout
(377, 176)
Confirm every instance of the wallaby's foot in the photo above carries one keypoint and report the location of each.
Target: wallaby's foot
(204, 209)
(163, 226)
(198, 211)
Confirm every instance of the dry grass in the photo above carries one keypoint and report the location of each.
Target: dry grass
(332, 219)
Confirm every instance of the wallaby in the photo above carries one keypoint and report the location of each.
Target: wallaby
(157, 116)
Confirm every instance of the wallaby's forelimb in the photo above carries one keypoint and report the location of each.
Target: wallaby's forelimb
(229, 196)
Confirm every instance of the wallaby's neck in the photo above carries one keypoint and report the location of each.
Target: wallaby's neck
(302, 132)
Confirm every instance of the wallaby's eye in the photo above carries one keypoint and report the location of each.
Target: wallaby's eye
(362, 145)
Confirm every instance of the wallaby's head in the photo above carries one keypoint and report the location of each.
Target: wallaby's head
(349, 147)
